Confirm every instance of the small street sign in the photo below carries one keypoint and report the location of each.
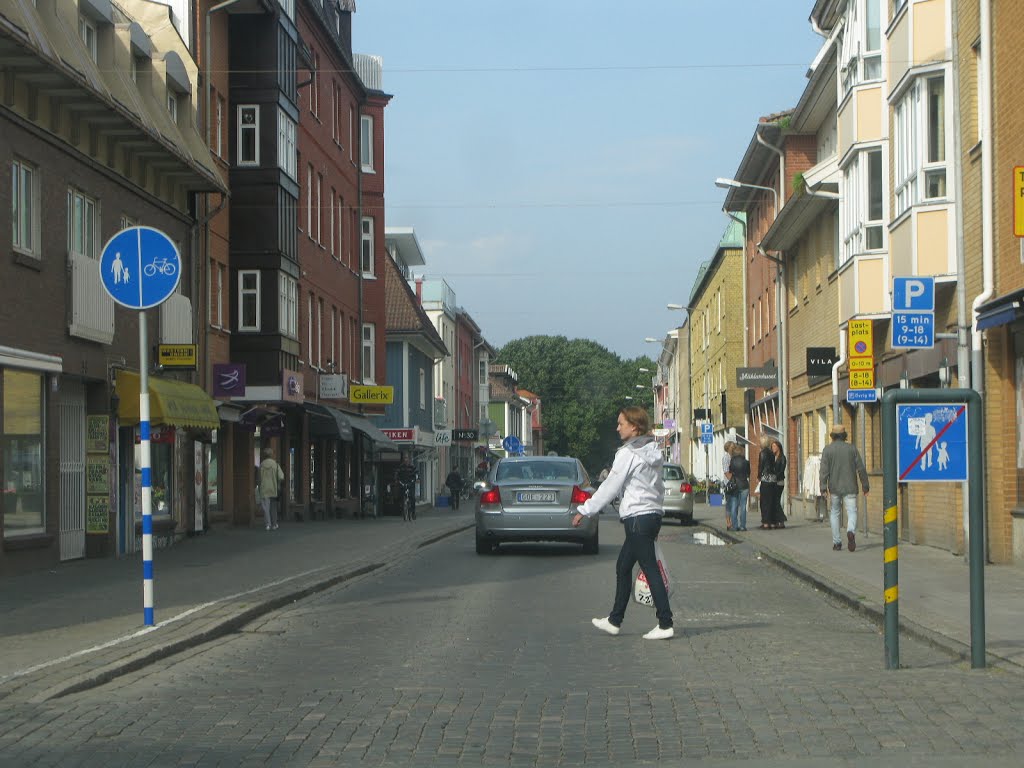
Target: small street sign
(512, 445)
(862, 395)
(861, 336)
(707, 433)
(862, 379)
(913, 330)
(913, 294)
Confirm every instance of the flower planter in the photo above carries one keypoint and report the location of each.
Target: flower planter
(700, 497)
(716, 500)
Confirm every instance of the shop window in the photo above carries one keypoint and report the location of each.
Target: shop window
(21, 448)
(161, 462)
(213, 474)
(316, 471)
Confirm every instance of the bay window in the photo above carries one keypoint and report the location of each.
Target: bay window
(288, 305)
(864, 204)
(920, 121)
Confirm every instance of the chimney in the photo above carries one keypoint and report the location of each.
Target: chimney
(419, 290)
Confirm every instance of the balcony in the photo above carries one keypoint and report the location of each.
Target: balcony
(91, 313)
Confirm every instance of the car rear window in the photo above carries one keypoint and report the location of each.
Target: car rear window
(535, 470)
(672, 473)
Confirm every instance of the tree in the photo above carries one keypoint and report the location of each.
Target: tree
(582, 386)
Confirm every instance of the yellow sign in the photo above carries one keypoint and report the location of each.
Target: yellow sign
(862, 379)
(862, 340)
(177, 355)
(359, 393)
(862, 363)
(1018, 201)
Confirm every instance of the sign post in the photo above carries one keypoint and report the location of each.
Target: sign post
(140, 268)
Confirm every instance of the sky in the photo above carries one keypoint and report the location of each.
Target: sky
(557, 158)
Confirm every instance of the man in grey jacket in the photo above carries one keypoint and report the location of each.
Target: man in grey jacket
(841, 465)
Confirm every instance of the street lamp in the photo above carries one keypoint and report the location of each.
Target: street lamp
(707, 371)
(780, 365)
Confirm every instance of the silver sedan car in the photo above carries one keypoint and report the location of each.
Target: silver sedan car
(678, 493)
(534, 498)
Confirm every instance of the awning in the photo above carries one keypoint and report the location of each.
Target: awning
(379, 439)
(170, 402)
(1006, 309)
(328, 422)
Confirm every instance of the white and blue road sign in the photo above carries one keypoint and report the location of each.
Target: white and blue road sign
(862, 395)
(913, 294)
(512, 445)
(707, 433)
(932, 442)
(913, 330)
(140, 267)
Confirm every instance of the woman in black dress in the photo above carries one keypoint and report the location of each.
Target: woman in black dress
(778, 516)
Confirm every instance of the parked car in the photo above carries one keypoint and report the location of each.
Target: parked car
(678, 493)
(534, 498)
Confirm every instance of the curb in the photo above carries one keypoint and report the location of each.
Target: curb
(205, 625)
(951, 646)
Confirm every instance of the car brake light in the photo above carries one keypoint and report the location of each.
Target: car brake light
(686, 488)
(493, 496)
(579, 496)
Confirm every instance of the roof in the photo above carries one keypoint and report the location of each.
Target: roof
(404, 239)
(757, 160)
(403, 313)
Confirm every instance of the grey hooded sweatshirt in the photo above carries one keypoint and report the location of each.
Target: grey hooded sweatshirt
(636, 474)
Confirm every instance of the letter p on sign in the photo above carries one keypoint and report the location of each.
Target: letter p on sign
(913, 294)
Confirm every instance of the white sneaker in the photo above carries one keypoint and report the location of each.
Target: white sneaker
(268, 527)
(660, 634)
(605, 626)
(275, 527)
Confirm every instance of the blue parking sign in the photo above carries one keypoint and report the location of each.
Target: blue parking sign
(913, 294)
(140, 267)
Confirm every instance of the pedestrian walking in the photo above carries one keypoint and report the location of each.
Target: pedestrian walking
(271, 477)
(778, 514)
(841, 465)
(636, 476)
(455, 485)
(736, 499)
(726, 460)
(767, 482)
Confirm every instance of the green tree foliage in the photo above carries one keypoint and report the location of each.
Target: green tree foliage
(582, 385)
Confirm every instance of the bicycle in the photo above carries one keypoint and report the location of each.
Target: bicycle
(163, 266)
(408, 504)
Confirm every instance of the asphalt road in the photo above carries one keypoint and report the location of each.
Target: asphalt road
(450, 658)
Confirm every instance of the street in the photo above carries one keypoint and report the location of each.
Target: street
(449, 658)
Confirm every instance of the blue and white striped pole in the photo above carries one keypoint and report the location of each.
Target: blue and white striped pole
(147, 476)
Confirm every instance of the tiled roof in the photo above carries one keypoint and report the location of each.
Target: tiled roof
(403, 312)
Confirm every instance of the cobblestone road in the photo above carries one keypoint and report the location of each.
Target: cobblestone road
(453, 659)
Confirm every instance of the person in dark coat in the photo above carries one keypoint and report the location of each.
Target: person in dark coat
(455, 484)
(778, 514)
(767, 482)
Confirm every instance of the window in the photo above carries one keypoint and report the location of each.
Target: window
(288, 6)
(861, 51)
(25, 208)
(482, 374)
(341, 228)
(21, 449)
(314, 87)
(87, 31)
(82, 224)
(249, 135)
(286, 149)
(423, 389)
(217, 308)
(330, 221)
(134, 69)
(332, 363)
(863, 193)
(341, 367)
(309, 200)
(319, 207)
(369, 353)
(366, 142)
(309, 330)
(921, 144)
(366, 263)
(248, 300)
(351, 122)
(172, 105)
(320, 333)
(288, 305)
(335, 99)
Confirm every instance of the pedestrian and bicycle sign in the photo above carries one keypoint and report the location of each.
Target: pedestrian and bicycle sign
(140, 267)
(932, 442)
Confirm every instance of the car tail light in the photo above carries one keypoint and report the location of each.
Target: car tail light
(579, 496)
(686, 488)
(493, 496)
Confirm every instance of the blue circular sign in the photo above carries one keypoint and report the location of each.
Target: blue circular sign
(140, 267)
(512, 444)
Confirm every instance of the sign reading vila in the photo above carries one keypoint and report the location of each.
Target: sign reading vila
(820, 360)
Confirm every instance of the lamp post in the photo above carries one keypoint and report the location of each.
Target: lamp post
(707, 371)
(781, 365)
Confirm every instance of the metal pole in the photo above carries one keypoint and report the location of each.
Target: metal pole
(890, 533)
(147, 479)
(976, 482)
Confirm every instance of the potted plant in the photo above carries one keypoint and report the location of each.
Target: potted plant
(715, 496)
(700, 491)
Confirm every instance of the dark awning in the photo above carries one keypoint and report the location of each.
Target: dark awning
(1006, 309)
(365, 426)
(325, 421)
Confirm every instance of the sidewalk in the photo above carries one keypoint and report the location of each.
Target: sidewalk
(81, 623)
(934, 585)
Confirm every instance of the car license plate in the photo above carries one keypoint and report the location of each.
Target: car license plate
(533, 497)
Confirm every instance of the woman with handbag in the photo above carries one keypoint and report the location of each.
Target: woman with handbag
(636, 475)
(767, 482)
(271, 477)
(778, 515)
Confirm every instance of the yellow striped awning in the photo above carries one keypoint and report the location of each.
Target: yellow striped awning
(170, 402)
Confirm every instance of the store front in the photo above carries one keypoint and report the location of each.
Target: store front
(183, 419)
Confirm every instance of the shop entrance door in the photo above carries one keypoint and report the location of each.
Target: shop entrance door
(71, 407)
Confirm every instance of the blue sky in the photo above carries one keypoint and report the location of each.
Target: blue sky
(557, 158)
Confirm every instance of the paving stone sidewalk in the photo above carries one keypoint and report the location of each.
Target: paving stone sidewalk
(80, 624)
(934, 584)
